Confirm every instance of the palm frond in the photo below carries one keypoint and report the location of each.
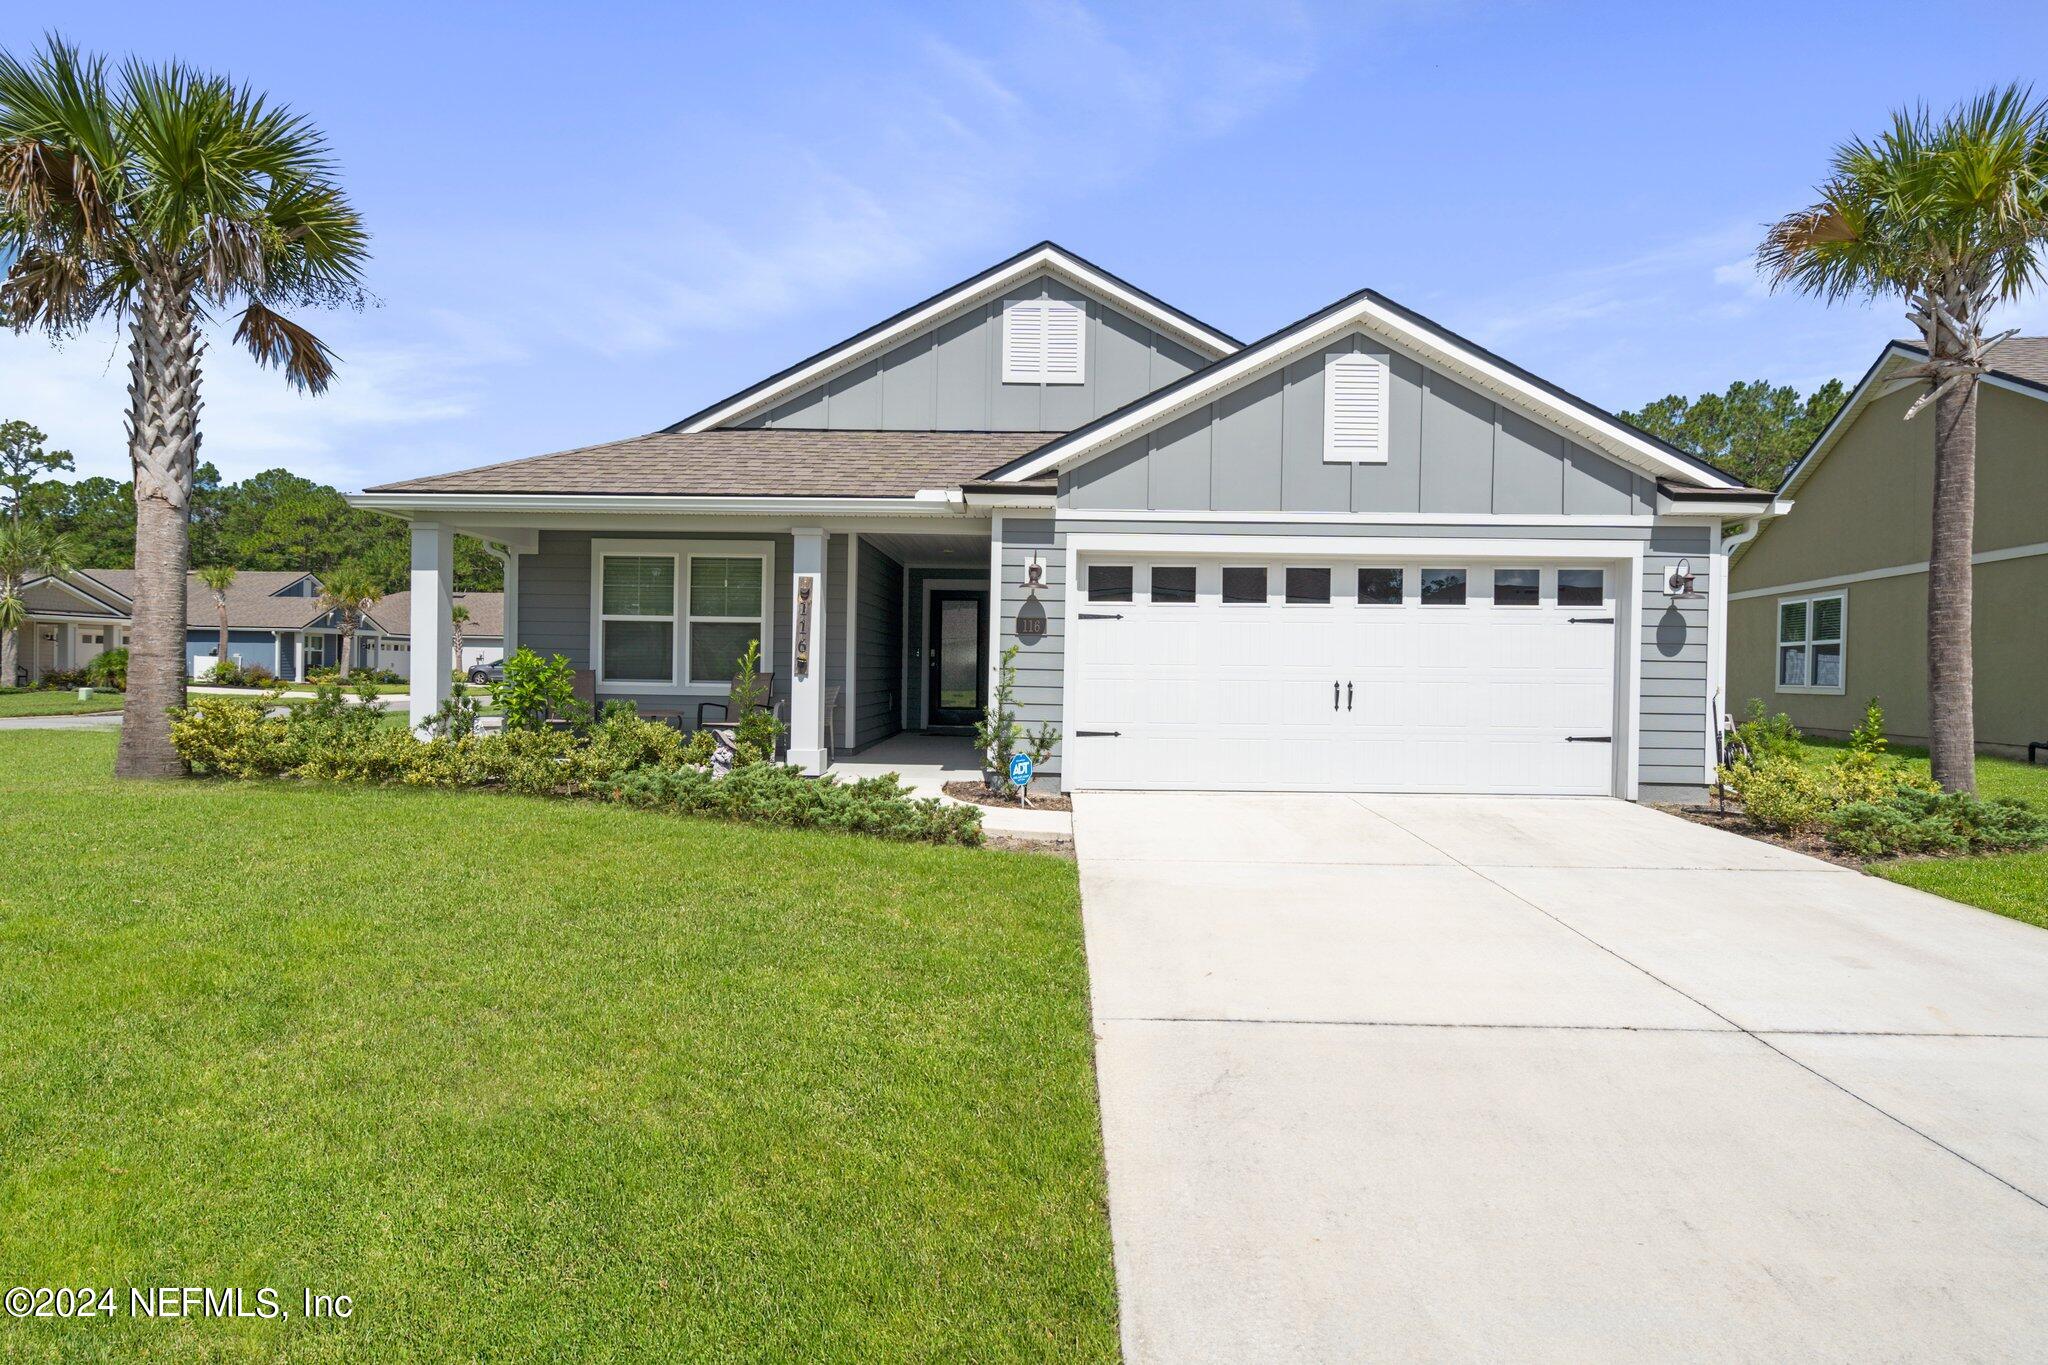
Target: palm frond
(277, 341)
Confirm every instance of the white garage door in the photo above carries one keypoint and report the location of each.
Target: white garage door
(1347, 675)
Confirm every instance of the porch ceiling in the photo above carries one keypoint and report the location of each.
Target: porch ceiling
(963, 551)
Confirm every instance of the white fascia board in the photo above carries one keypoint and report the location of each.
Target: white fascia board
(434, 504)
(1365, 521)
(1044, 260)
(1607, 437)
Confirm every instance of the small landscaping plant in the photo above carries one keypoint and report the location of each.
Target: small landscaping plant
(108, 670)
(229, 673)
(536, 690)
(1914, 821)
(999, 738)
(776, 795)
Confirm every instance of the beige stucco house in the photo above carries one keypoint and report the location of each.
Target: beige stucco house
(1828, 605)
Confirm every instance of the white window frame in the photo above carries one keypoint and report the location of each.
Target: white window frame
(762, 623)
(1032, 366)
(1781, 644)
(1373, 370)
(681, 552)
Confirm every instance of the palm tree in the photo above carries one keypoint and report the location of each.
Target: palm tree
(163, 197)
(28, 549)
(459, 615)
(348, 592)
(1950, 216)
(219, 578)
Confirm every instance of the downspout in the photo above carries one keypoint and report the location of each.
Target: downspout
(1725, 547)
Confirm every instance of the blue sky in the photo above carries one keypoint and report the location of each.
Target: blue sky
(592, 220)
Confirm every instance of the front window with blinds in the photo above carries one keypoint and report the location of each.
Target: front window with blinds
(1810, 642)
(1355, 409)
(728, 597)
(638, 607)
(1045, 341)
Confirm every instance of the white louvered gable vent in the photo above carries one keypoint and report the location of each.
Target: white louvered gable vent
(1044, 342)
(1354, 410)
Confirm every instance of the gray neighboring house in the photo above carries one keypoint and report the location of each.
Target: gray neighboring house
(1362, 553)
(274, 621)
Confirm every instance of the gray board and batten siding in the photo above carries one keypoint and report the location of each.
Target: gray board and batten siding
(878, 647)
(1259, 448)
(949, 377)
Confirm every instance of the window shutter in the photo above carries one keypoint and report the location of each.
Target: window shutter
(1354, 410)
(1044, 342)
(1066, 330)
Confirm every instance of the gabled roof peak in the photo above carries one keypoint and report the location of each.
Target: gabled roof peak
(1046, 257)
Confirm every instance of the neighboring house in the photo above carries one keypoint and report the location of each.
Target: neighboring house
(274, 621)
(483, 634)
(1829, 604)
(1360, 554)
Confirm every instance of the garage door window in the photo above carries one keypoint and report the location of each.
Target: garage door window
(1308, 587)
(1173, 585)
(1443, 587)
(1581, 587)
(1244, 585)
(1109, 582)
(1379, 587)
(1516, 587)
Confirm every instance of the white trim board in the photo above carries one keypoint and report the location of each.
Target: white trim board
(1351, 547)
(1365, 521)
(1046, 259)
(1601, 433)
(1895, 571)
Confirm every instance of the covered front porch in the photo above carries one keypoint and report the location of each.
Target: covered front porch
(869, 628)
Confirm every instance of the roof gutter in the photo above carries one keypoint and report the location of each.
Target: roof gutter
(927, 503)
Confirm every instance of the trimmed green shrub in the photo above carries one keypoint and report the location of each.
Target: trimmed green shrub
(621, 757)
(535, 689)
(1913, 820)
(108, 670)
(776, 795)
(1760, 736)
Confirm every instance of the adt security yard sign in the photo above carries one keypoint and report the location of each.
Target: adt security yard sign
(1020, 770)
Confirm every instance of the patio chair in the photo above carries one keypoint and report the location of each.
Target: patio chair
(724, 707)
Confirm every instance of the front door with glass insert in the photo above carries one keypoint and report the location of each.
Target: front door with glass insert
(956, 654)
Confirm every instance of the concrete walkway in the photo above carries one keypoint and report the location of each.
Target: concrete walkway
(1446, 1078)
(95, 720)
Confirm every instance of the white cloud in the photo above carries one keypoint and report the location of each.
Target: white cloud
(252, 419)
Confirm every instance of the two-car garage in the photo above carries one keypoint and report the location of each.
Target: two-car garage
(1437, 672)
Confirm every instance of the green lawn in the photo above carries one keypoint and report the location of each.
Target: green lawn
(536, 1080)
(2014, 884)
(23, 702)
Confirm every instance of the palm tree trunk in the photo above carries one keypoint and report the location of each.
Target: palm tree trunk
(221, 650)
(163, 443)
(10, 640)
(348, 638)
(1952, 721)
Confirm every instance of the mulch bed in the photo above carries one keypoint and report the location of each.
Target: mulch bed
(1735, 822)
(979, 795)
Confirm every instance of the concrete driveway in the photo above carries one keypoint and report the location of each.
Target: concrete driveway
(1449, 1078)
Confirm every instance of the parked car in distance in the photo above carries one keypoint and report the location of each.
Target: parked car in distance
(484, 674)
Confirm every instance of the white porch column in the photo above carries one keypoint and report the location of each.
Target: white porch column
(433, 632)
(807, 654)
(510, 559)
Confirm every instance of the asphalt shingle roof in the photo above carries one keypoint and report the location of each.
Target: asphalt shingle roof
(2022, 357)
(252, 603)
(393, 614)
(761, 463)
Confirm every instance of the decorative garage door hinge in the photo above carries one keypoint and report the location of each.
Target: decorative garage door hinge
(1589, 739)
(1102, 616)
(1591, 621)
(1098, 734)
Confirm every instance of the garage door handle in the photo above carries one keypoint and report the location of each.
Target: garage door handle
(1336, 691)
(1589, 739)
(1347, 696)
(1102, 616)
(1591, 621)
(1098, 734)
